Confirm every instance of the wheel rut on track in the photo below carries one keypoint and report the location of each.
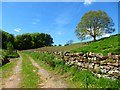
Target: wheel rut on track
(49, 80)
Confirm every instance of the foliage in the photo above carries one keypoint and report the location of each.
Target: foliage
(59, 45)
(94, 24)
(55, 45)
(34, 40)
(105, 45)
(10, 47)
(81, 79)
(13, 54)
(25, 41)
(66, 44)
(6, 37)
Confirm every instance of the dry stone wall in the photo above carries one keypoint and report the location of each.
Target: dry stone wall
(100, 65)
(106, 66)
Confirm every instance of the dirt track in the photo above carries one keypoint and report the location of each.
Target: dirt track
(49, 80)
(14, 80)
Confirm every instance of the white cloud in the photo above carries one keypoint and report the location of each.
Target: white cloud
(60, 23)
(59, 33)
(62, 19)
(17, 29)
(34, 23)
(88, 2)
(37, 20)
(106, 35)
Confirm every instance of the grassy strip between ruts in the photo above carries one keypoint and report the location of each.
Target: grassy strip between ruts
(80, 79)
(7, 69)
(30, 78)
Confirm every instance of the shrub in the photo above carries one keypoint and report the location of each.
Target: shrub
(10, 47)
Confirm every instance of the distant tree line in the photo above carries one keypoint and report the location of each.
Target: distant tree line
(26, 41)
(34, 40)
(69, 42)
(6, 38)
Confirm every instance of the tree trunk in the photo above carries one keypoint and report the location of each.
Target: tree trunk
(94, 38)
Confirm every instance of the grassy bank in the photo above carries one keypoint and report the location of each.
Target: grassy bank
(30, 78)
(105, 45)
(79, 79)
(7, 69)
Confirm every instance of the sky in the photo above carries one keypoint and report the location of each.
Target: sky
(59, 19)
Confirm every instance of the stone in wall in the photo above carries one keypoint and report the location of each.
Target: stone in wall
(99, 55)
(91, 65)
(90, 54)
(66, 53)
(104, 71)
(79, 64)
(79, 54)
(66, 58)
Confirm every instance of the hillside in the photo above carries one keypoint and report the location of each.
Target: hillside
(63, 48)
(104, 45)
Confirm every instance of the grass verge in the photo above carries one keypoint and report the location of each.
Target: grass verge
(77, 78)
(7, 69)
(30, 78)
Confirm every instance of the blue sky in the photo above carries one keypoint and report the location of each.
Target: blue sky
(57, 19)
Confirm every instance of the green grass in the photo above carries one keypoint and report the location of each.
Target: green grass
(7, 69)
(30, 78)
(104, 46)
(62, 48)
(5, 53)
(79, 79)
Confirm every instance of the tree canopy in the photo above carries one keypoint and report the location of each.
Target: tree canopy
(94, 24)
(34, 40)
(6, 37)
(10, 47)
(25, 41)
